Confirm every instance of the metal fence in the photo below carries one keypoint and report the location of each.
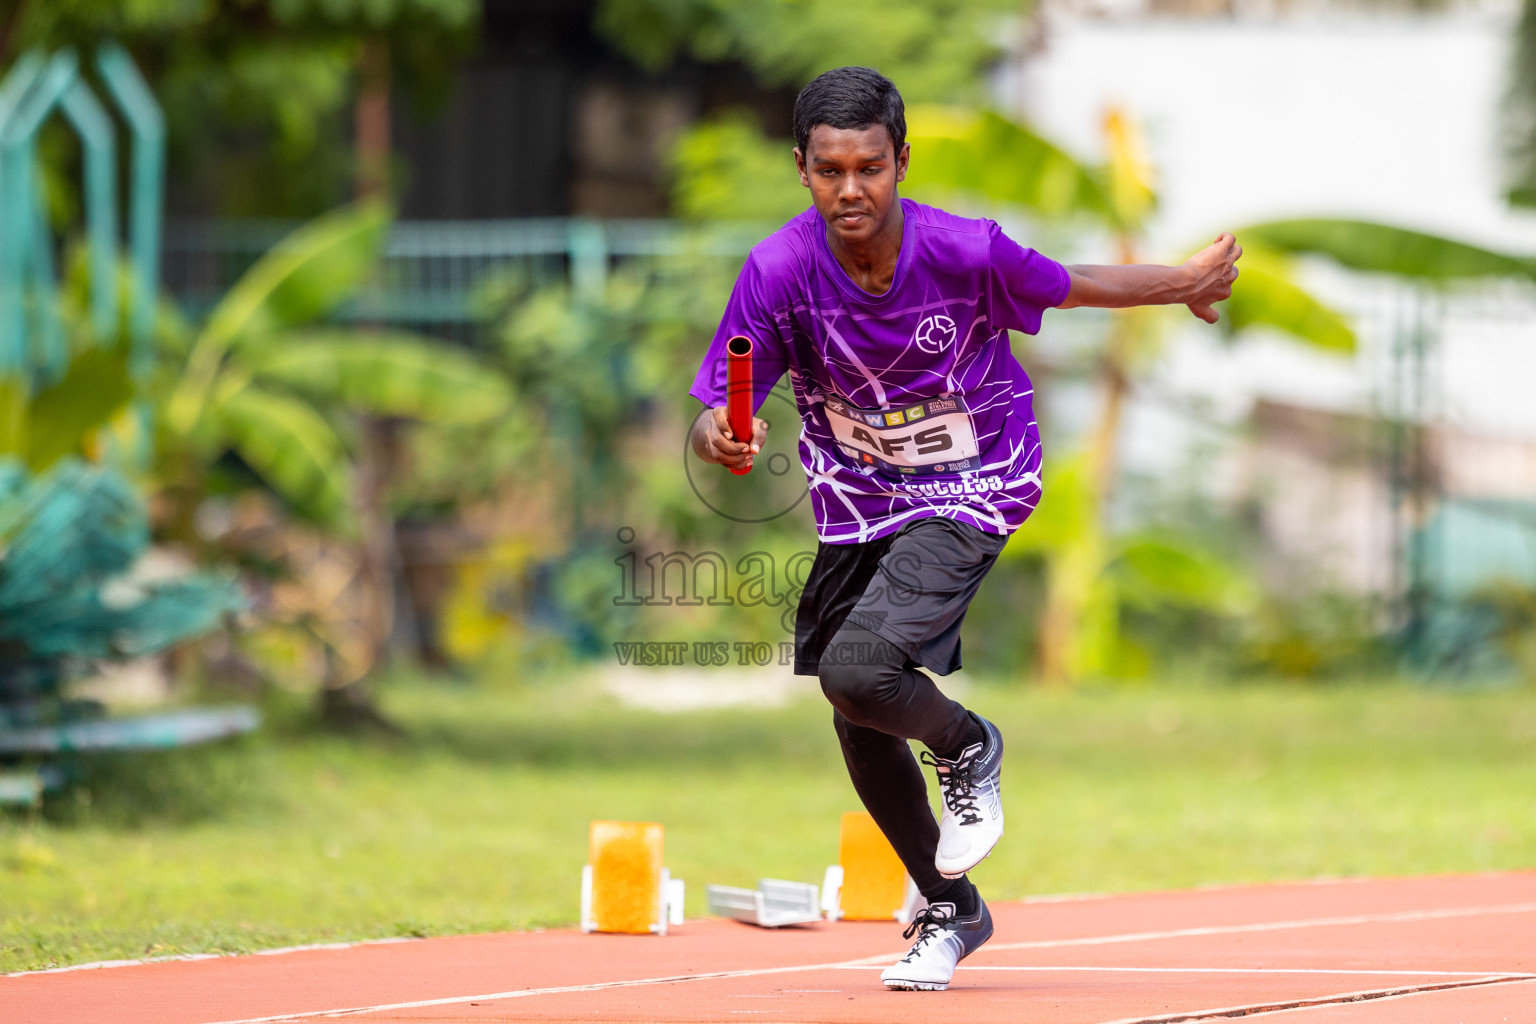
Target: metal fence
(433, 273)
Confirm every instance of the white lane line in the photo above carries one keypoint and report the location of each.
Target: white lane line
(1258, 1009)
(1412, 915)
(1511, 975)
(1322, 881)
(1388, 997)
(1267, 926)
(555, 990)
(101, 965)
(1065, 897)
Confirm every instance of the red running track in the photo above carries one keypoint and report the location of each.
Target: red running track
(1407, 951)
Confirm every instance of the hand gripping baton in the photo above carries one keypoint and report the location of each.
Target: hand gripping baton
(738, 391)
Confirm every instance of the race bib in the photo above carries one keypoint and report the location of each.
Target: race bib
(926, 438)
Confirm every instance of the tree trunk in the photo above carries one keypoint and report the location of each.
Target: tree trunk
(371, 120)
(350, 706)
(8, 22)
(349, 703)
(379, 457)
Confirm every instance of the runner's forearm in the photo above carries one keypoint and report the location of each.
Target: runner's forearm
(1115, 287)
(698, 436)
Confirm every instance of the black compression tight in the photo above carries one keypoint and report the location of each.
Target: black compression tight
(881, 700)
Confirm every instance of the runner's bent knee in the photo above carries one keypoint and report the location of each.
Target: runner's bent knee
(860, 672)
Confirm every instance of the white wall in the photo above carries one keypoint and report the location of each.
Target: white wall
(1391, 118)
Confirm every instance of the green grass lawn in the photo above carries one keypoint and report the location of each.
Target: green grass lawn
(478, 821)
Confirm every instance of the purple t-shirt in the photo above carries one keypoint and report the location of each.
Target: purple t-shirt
(911, 403)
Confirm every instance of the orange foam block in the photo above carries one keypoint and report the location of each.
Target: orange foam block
(874, 882)
(624, 888)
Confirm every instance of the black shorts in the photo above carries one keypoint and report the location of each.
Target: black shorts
(911, 588)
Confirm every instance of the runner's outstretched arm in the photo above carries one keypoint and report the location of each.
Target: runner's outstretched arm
(1204, 278)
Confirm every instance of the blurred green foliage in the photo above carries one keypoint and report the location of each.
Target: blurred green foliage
(1153, 571)
(593, 458)
(595, 367)
(1386, 249)
(61, 418)
(1269, 296)
(726, 169)
(1317, 636)
(256, 93)
(982, 153)
(1512, 611)
(937, 48)
(260, 381)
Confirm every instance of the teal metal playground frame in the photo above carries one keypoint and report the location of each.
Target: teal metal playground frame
(35, 88)
(42, 735)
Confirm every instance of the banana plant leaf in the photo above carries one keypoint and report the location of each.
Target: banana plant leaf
(13, 415)
(61, 417)
(962, 150)
(1385, 249)
(304, 276)
(1066, 512)
(1265, 294)
(390, 374)
(711, 160)
(40, 429)
(1152, 571)
(292, 448)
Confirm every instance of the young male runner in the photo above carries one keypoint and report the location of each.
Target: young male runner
(919, 440)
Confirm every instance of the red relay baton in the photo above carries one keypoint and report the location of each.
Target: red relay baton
(738, 391)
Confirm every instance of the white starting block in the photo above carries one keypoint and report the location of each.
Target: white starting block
(773, 904)
(868, 883)
(624, 887)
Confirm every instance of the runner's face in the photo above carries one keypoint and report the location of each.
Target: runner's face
(852, 174)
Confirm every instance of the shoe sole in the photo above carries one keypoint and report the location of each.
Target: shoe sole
(962, 873)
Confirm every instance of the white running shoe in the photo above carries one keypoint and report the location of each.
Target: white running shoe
(972, 820)
(943, 940)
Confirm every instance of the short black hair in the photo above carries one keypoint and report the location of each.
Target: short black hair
(851, 97)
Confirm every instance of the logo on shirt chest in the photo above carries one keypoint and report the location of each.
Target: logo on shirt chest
(935, 334)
